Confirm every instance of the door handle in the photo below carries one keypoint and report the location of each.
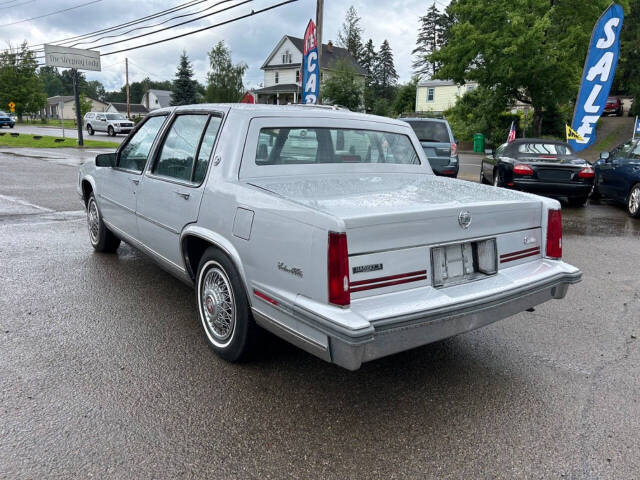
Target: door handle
(182, 194)
(136, 182)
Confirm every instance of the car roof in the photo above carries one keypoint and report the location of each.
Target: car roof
(424, 119)
(298, 110)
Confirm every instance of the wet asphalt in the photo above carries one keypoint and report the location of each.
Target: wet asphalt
(104, 371)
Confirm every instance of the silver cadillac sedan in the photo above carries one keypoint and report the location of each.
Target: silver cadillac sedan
(326, 227)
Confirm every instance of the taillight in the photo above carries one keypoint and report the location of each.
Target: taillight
(338, 269)
(554, 234)
(522, 169)
(587, 172)
(454, 149)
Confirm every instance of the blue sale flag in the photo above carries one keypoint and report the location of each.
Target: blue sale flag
(599, 70)
(636, 128)
(310, 67)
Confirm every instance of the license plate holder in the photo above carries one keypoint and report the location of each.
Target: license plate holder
(463, 262)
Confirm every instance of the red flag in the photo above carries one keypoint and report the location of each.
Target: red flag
(512, 133)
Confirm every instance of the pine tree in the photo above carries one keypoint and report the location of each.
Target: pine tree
(183, 91)
(429, 41)
(224, 80)
(385, 74)
(350, 35)
(368, 62)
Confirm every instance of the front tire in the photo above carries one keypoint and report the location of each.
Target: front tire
(223, 307)
(633, 203)
(102, 239)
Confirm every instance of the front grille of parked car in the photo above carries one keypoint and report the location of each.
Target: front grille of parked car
(5, 119)
(554, 174)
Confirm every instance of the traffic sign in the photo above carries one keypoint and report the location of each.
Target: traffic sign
(12, 107)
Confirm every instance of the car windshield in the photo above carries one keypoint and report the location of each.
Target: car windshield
(115, 116)
(292, 146)
(544, 149)
(428, 131)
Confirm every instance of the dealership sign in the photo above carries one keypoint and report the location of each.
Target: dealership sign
(65, 57)
(599, 70)
(310, 67)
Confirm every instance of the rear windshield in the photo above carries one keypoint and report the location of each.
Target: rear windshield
(291, 146)
(116, 116)
(544, 149)
(427, 131)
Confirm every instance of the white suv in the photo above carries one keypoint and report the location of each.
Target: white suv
(112, 123)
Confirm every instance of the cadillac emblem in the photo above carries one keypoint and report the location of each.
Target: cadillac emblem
(464, 219)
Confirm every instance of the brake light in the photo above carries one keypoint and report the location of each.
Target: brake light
(338, 269)
(587, 172)
(554, 234)
(522, 169)
(454, 149)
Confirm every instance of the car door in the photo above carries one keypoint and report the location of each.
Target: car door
(173, 184)
(609, 181)
(100, 123)
(491, 161)
(117, 186)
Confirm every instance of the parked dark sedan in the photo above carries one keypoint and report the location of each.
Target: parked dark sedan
(6, 120)
(618, 176)
(438, 144)
(545, 167)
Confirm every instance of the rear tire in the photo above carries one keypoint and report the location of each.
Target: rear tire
(223, 307)
(111, 131)
(90, 130)
(497, 178)
(102, 239)
(633, 202)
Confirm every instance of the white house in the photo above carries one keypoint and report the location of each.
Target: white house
(135, 109)
(68, 111)
(154, 99)
(282, 70)
(440, 95)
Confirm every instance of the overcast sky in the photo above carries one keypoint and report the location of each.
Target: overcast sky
(250, 39)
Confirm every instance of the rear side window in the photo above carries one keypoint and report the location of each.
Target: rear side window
(295, 146)
(206, 148)
(176, 159)
(544, 149)
(427, 131)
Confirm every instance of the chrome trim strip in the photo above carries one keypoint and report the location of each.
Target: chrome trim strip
(129, 239)
(116, 203)
(161, 225)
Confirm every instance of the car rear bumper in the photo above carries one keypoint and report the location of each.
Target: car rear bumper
(553, 188)
(446, 170)
(378, 326)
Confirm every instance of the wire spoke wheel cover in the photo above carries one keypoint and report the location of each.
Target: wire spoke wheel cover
(634, 201)
(217, 304)
(93, 221)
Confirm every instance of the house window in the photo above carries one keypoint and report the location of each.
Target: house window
(286, 57)
(431, 93)
(277, 79)
(297, 76)
(471, 87)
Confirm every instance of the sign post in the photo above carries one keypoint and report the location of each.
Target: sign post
(75, 59)
(61, 114)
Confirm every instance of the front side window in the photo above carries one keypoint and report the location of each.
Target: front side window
(134, 155)
(180, 147)
(431, 93)
(299, 146)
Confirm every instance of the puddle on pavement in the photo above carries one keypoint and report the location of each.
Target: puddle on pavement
(600, 221)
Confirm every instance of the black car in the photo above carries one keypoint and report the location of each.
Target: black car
(618, 176)
(545, 167)
(438, 144)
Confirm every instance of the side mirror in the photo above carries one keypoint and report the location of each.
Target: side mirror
(605, 156)
(488, 151)
(106, 160)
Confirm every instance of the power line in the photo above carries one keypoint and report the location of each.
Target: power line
(157, 24)
(50, 14)
(2, 7)
(252, 13)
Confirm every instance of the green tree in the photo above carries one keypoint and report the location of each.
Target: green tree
(367, 62)
(343, 87)
(95, 89)
(51, 81)
(224, 80)
(19, 81)
(85, 105)
(627, 80)
(428, 42)
(405, 99)
(529, 51)
(67, 82)
(183, 91)
(384, 72)
(350, 35)
(381, 107)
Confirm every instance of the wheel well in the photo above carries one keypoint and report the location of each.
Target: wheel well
(87, 189)
(193, 248)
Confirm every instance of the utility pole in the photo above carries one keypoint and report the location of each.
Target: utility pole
(319, 16)
(126, 69)
(76, 94)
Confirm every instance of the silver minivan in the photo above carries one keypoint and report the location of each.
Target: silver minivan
(112, 123)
